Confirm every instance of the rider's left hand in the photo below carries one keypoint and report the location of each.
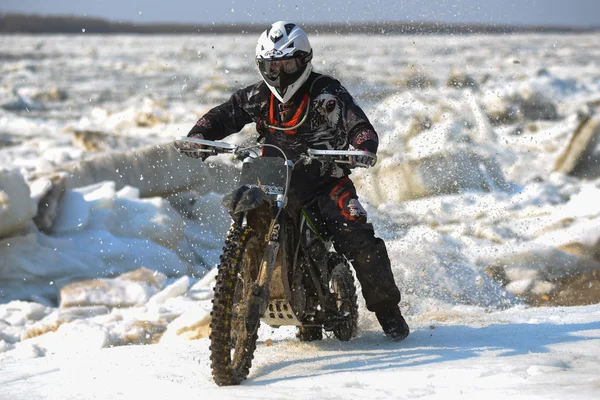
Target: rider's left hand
(362, 159)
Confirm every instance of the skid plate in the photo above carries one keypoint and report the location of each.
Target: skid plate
(278, 313)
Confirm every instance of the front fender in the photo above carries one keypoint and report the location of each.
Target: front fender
(244, 199)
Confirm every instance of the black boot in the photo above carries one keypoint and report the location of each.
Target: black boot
(392, 322)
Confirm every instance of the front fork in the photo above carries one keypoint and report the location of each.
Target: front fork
(258, 295)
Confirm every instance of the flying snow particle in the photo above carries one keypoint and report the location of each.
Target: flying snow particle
(83, 30)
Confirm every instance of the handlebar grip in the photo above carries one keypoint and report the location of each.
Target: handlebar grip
(188, 144)
(343, 157)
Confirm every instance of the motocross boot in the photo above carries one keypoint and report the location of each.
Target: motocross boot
(393, 323)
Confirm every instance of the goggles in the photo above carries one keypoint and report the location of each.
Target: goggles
(273, 68)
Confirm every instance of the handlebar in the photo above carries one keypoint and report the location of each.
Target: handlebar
(184, 144)
(343, 156)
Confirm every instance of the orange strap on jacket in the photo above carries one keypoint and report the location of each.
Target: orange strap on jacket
(293, 121)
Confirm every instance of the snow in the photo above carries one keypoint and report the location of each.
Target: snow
(16, 209)
(543, 353)
(489, 216)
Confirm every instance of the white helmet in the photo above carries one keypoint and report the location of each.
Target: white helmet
(283, 56)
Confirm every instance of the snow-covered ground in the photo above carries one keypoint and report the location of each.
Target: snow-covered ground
(543, 353)
(485, 192)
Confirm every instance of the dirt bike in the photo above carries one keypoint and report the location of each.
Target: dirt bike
(278, 264)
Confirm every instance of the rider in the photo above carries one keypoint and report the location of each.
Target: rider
(296, 108)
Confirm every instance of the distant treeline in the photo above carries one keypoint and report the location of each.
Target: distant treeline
(22, 23)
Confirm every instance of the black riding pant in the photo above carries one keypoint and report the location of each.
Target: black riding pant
(355, 238)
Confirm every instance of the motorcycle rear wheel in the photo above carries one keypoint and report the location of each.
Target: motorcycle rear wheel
(342, 285)
(231, 345)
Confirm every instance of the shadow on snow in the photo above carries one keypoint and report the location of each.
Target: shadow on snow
(371, 351)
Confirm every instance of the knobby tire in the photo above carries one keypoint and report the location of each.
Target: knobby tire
(342, 285)
(231, 347)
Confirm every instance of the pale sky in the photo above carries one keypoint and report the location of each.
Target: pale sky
(514, 12)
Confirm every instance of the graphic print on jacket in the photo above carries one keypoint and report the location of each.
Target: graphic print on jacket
(325, 123)
(334, 121)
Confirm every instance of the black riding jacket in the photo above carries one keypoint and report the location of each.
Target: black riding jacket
(334, 121)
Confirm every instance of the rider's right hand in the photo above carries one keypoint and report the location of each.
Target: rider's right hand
(196, 155)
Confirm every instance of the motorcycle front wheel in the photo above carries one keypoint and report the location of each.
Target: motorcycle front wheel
(231, 345)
